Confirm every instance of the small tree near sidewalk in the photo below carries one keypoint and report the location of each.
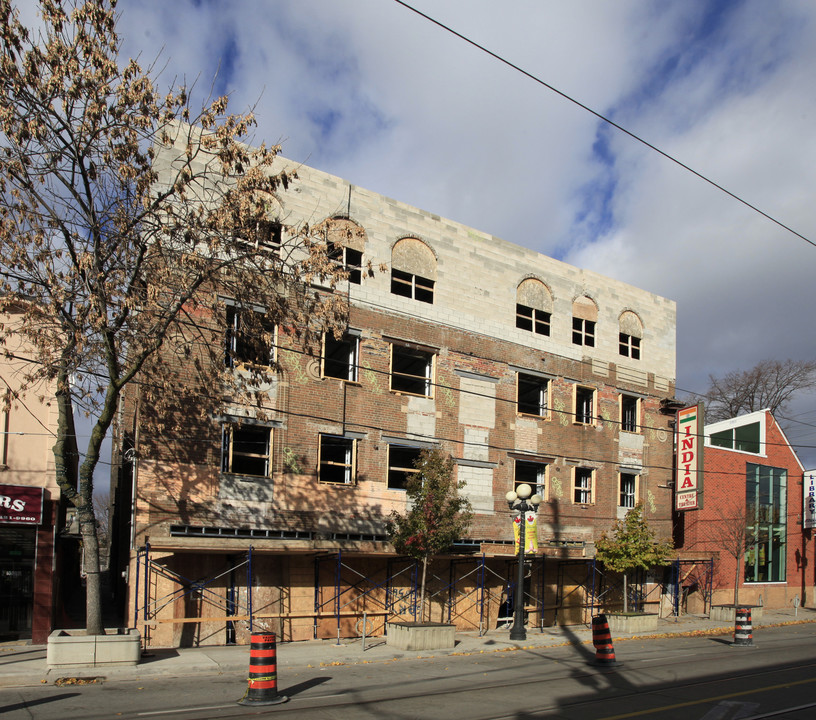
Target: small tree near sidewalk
(733, 532)
(632, 546)
(436, 516)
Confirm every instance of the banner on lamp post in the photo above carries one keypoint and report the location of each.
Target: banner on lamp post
(530, 531)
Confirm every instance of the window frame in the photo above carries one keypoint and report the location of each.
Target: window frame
(235, 360)
(414, 287)
(629, 345)
(533, 319)
(392, 471)
(540, 484)
(578, 414)
(543, 385)
(765, 520)
(587, 486)
(351, 341)
(427, 379)
(583, 331)
(268, 237)
(228, 453)
(631, 425)
(626, 496)
(349, 446)
(339, 255)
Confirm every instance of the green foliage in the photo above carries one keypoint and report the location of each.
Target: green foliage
(436, 516)
(632, 545)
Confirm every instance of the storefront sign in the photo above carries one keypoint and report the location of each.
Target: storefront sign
(689, 478)
(809, 514)
(21, 504)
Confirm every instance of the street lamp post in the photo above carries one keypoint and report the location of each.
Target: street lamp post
(518, 500)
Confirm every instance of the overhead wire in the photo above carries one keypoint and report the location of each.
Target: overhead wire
(607, 120)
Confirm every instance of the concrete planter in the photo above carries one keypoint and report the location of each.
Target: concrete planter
(727, 613)
(632, 622)
(421, 636)
(75, 649)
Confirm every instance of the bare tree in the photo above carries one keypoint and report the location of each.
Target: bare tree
(770, 384)
(108, 255)
(731, 532)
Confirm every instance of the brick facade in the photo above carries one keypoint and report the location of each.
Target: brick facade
(724, 505)
(190, 514)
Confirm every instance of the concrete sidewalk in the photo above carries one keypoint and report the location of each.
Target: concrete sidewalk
(23, 664)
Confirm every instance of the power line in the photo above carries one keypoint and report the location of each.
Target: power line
(607, 120)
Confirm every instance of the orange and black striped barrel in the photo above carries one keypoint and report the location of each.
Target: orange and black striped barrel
(602, 640)
(743, 630)
(263, 672)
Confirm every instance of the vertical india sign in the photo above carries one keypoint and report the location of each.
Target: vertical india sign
(688, 482)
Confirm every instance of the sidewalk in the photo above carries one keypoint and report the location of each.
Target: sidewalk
(22, 664)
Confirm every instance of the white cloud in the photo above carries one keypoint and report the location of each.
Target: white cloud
(373, 93)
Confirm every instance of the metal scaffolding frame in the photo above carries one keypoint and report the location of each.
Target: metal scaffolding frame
(687, 575)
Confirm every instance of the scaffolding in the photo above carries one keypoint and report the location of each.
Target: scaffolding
(356, 594)
(688, 576)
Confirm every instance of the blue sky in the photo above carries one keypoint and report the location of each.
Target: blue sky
(373, 93)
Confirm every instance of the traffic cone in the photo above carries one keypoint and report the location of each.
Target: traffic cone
(263, 673)
(743, 631)
(602, 640)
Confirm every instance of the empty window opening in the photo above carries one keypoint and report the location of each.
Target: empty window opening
(349, 259)
(584, 405)
(531, 394)
(630, 413)
(337, 462)
(532, 473)
(412, 286)
(536, 321)
(583, 332)
(582, 490)
(250, 340)
(629, 346)
(341, 357)
(411, 371)
(246, 450)
(402, 460)
(628, 490)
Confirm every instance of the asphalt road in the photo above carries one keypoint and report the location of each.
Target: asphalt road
(676, 678)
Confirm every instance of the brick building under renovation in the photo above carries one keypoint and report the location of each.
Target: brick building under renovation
(519, 366)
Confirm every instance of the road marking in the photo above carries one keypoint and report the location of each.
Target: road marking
(183, 710)
(690, 703)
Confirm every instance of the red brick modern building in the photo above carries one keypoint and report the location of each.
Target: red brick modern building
(522, 368)
(751, 522)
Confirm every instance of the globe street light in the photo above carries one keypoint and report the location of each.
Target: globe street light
(518, 500)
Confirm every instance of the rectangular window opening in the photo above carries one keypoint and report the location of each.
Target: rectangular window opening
(630, 413)
(349, 259)
(532, 319)
(628, 490)
(341, 357)
(337, 461)
(629, 346)
(249, 340)
(531, 394)
(532, 473)
(402, 461)
(582, 488)
(584, 405)
(583, 332)
(412, 371)
(246, 450)
(412, 286)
